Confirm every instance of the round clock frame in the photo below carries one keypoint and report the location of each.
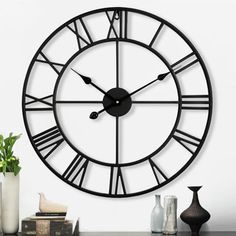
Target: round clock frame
(53, 137)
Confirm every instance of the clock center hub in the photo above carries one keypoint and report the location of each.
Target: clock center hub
(121, 103)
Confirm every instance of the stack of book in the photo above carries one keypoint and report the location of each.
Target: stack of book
(47, 224)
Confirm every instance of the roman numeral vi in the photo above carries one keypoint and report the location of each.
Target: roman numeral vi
(117, 183)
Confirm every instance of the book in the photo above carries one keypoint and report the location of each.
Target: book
(34, 217)
(33, 227)
(50, 213)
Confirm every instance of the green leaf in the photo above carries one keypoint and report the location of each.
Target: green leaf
(16, 170)
(8, 162)
(1, 143)
(4, 167)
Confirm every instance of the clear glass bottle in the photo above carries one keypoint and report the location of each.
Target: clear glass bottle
(157, 216)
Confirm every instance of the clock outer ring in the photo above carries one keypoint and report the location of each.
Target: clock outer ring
(172, 130)
(207, 127)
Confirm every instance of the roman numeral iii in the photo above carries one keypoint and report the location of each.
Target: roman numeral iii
(195, 102)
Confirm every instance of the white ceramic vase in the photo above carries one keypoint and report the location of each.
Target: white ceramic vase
(157, 216)
(10, 203)
(170, 215)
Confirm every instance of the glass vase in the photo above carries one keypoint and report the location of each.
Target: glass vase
(157, 216)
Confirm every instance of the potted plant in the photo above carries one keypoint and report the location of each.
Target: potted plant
(9, 166)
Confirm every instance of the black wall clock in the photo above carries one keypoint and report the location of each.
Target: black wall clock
(117, 102)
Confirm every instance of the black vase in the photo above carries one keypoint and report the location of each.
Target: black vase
(195, 215)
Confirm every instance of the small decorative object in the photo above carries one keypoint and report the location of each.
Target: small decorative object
(195, 215)
(48, 206)
(9, 166)
(170, 215)
(157, 216)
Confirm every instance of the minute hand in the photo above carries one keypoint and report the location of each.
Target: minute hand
(160, 77)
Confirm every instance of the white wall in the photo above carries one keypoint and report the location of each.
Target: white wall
(24, 24)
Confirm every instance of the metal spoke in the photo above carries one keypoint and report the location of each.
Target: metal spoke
(117, 139)
(155, 102)
(79, 102)
(117, 63)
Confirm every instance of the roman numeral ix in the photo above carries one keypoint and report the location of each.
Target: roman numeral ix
(48, 140)
(45, 105)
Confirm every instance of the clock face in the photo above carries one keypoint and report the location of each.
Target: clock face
(117, 102)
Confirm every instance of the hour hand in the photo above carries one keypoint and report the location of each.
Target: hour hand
(94, 115)
(88, 80)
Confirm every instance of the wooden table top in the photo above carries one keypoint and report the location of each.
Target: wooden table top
(150, 234)
(218, 233)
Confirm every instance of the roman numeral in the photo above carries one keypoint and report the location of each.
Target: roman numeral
(184, 63)
(186, 140)
(76, 170)
(54, 65)
(117, 183)
(118, 24)
(81, 40)
(195, 102)
(45, 105)
(156, 34)
(48, 140)
(158, 173)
